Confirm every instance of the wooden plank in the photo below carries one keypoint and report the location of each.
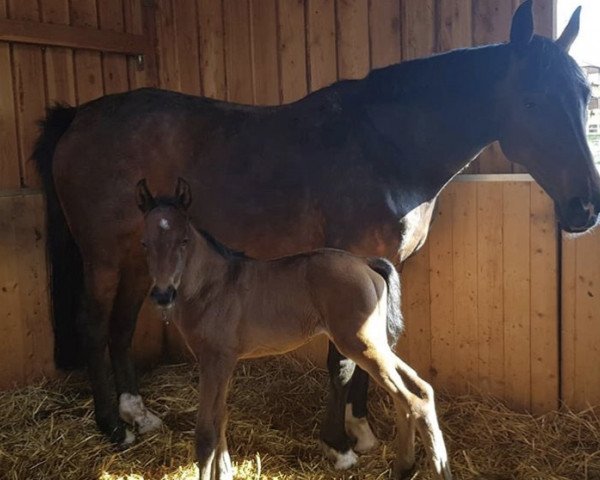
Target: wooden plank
(464, 268)
(544, 16)
(442, 297)
(28, 72)
(418, 29)
(384, 33)
(169, 77)
(187, 46)
(88, 65)
(352, 38)
(133, 22)
(114, 66)
(292, 50)
(491, 24)
(490, 289)
(568, 326)
(516, 261)
(416, 310)
(238, 55)
(58, 62)
(36, 33)
(9, 149)
(321, 50)
(455, 24)
(265, 68)
(12, 363)
(28, 215)
(581, 320)
(544, 303)
(212, 48)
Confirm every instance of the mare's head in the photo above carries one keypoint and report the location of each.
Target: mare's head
(165, 238)
(542, 115)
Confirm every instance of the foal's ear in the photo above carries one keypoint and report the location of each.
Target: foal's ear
(521, 30)
(145, 200)
(183, 193)
(570, 32)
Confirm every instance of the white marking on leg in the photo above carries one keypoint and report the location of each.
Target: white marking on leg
(134, 412)
(164, 224)
(129, 438)
(341, 461)
(360, 429)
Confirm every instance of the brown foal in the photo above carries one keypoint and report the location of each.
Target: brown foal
(228, 307)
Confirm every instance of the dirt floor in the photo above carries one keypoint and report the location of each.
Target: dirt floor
(47, 432)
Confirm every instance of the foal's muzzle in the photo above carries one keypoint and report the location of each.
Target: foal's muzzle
(163, 297)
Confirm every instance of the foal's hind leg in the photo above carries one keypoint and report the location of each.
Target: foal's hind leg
(336, 442)
(93, 323)
(133, 286)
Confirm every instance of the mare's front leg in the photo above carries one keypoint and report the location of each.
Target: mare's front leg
(133, 286)
(93, 323)
(216, 369)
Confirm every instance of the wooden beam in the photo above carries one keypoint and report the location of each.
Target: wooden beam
(84, 38)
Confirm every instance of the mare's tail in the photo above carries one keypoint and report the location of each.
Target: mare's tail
(66, 285)
(395, 324)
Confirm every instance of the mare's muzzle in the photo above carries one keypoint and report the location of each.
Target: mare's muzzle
(579, 215)
(163, 297)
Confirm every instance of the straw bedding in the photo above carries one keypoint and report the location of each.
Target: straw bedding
(47, 431)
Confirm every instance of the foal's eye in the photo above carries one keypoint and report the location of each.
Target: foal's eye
(184, 242)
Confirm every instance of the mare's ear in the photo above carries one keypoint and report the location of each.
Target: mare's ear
(145, 200)
(183, 193)
(521, 30)
(569, 34)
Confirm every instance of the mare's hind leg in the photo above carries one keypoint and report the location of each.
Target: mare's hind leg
(336, 442)
(133, 286)
(93, 322)
(356, 422)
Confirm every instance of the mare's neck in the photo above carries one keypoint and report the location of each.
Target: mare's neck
(434, 115)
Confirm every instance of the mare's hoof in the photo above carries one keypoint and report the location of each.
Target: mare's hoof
(341, 460)
(402, 471)
(360, 429)
(134, 412)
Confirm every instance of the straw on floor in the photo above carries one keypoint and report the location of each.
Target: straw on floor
(47, 432)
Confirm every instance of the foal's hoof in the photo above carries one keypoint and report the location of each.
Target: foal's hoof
(341, 460)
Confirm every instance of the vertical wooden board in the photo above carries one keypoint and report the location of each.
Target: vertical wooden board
(490, 288)
(352, 26)
(212, 48)
(88, 65)
(568, 325)
(292, 50)
(28, 220)
(60, 75)
(9, 150)
(186, 29)
(168, 58)
(516, 261)
(265, 69)
(133, 20)
(544, 303)
(441, 294)
(114, 66)
(416, 311)
(384, 32)
(587, 321)
(418, 28)
(12, 363)
(455, 24)
(464, 258)
(28, 79)
(491, 24)
(238, 54)
(321, 40)
(544, 15)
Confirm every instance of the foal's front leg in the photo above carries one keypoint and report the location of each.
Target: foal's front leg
(216, 369)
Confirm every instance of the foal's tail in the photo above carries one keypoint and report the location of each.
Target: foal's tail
(389, 273)
(66, 265)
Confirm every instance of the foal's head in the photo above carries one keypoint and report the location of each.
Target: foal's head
(165, 238)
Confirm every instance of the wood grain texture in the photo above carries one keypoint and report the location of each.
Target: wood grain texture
(265, 67)
(293, 82)
(352, 27)
(418, 28)
(212, 48)
(384, 32)
(321, 40)
(238, 51)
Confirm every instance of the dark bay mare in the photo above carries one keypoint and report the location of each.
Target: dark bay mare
(228, 307)
(355, 166)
